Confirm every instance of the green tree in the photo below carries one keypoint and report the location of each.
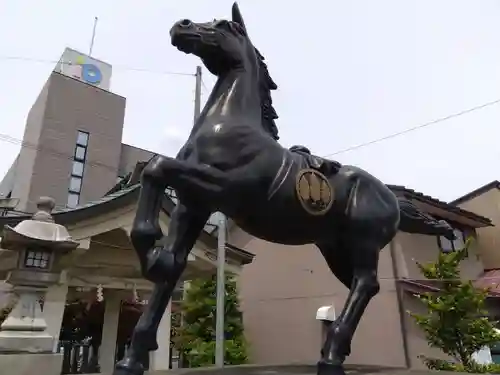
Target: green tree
(195, 338)
(456, 320)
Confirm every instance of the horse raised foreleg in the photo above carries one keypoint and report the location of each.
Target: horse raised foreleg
(171, 260)
(190, 179)
(146, 228)
(360, 269)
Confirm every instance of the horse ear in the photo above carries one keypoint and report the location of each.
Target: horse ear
(237, 17)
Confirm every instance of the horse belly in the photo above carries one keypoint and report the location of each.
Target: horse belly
(279, 230)
(284, 222)
(280, 214)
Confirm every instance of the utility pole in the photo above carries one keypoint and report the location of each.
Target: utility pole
(197, 94)
(93, 36)
(221, 251)
(221, 290)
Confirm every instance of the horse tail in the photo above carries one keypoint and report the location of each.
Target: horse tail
(414, 220)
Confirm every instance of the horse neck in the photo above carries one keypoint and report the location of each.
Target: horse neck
(235, 95)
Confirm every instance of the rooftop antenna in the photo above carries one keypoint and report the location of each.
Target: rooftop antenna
(93, 36)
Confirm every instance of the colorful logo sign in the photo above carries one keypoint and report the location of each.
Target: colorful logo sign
(84, 71)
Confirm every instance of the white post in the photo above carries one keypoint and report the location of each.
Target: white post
(109, 331)
(160, 359)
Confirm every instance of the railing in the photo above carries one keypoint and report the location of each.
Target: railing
(78, 358)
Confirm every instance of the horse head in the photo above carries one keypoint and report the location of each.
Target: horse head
(224, 46)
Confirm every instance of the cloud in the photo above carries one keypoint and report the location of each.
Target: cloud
(174, 133)
(172, 140)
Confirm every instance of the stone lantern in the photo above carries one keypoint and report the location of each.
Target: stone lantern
(39, 243)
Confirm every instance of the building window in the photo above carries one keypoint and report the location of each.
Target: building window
(82, 139)
(80, 153)
(448, 246)
(37, 259)
(75, 184)
(77, 169)
(73, 199)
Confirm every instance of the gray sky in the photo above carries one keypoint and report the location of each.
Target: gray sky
(348, 72)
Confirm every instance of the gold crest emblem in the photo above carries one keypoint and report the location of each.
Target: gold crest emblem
(314, 192)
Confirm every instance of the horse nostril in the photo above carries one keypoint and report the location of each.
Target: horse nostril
(185, 23)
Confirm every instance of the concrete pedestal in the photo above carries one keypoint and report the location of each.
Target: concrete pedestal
(25, 345)
(25, 342)
(28, 364)
(24, 330)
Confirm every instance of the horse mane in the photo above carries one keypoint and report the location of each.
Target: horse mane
(266, 84)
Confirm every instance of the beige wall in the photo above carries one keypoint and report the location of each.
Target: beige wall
(487, 204)
(413, 248)
(129, 157)
(282, 289)
(65, 106)
(417, 344)
(284, 286)
(28, 154)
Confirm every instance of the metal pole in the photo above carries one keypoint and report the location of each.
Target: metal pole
(197, 94)
(93, 36)
(221, 252)
(221, 291)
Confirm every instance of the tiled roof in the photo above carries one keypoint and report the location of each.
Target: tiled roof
(495, 184)
(118, 199)
(61, 215)
(412, 194)
(489, 279)
(104, 199)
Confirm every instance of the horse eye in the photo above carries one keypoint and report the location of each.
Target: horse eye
(221, 23)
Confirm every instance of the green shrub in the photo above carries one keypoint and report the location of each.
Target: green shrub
(456, 320)
(195, 337)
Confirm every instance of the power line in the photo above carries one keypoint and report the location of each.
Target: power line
(403, 132)
(17, 141)
(49, 151)
(409, 130)
(204, 86)
(119, 67)
(348, 149)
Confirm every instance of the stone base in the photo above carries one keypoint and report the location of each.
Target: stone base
(27, 342)
(23, 364)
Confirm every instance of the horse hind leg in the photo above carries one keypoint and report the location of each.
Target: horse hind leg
(356, 268)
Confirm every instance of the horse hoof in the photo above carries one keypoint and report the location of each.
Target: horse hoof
(325, 368)
(128, 367)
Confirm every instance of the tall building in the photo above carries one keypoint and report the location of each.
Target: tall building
(72, 147)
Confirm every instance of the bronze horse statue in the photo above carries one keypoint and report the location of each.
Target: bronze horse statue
(232, 163)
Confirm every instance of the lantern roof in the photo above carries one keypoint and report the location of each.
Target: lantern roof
(40, 231)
